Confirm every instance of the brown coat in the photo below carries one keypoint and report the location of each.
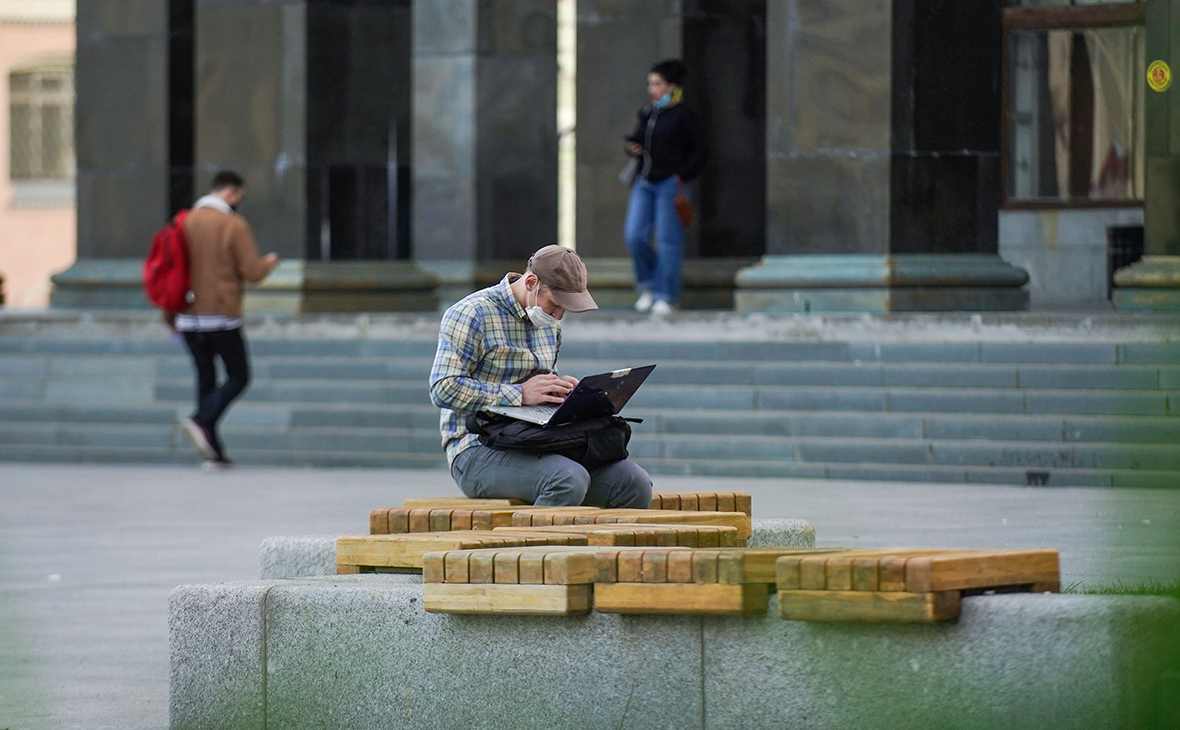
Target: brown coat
(224, 256)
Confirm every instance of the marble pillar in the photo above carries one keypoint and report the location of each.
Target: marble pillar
(484, 136)
(122, 149)
(1153, 282)
(883, 121)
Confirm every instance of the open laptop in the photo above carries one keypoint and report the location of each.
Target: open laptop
(596, 396)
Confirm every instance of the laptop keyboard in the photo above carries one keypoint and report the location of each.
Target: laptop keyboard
(541, 413)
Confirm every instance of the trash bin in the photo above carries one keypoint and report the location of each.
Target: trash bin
(1124, 246)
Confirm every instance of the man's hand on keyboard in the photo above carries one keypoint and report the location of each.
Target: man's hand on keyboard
(546, 388)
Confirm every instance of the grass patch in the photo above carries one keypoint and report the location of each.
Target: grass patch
(1119, 588)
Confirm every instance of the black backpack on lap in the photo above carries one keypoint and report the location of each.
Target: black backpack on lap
(593, 443)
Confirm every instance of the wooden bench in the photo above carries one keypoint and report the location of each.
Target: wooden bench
(443, 519)
(913, 586)
(527, 580)
(372, 553)
(703, 501)
(650, 535)
(560, 580)
(702, 582)
(740, 520)
(460, 503)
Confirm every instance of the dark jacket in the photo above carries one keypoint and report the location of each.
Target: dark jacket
(673, 143)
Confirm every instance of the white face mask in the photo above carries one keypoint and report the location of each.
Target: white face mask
(538, 316)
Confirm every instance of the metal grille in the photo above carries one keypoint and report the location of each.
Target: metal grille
(42, 123)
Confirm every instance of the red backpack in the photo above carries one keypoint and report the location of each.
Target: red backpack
(167, 275)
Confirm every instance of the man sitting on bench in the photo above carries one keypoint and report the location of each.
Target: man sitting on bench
(499, 346)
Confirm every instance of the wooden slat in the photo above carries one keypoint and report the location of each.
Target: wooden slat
(532, 568)
(543, 516)
(655, 566)
(398, 521)
(379, 522)
(711, 599)
(459, 503)
(704, 566)
(743, 503)
(726, 502)
(342, 569)
(864, 574)
(981, 569)
(406, 550)
(873, 606)
(491, 598)
(570, 568)
(433, 567)
(738, 520)
(626, 534)
(440, 519)
(505, 567)
(455, 564)
(419, 520)
(680, 566)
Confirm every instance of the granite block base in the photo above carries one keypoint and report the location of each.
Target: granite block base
(888, 283)
(1151, 284)
(360, 652)
(296, 287)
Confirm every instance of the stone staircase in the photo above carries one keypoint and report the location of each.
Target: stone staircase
(1008, 400)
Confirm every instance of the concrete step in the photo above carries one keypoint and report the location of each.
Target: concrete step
(774, 424)
(624, 352)
(417, 370)
(645, 446)
(1033, 476)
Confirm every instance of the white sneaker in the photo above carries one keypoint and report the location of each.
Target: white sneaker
(200, 438)
(644, 302)
(660, 308)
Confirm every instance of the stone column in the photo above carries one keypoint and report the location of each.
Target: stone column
(484, 137)
(618, 41)
(1153, 282)
(883, 122)
(286, 97)
(122, 149)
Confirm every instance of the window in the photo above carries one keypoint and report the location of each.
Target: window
(1074, 105)
(42, 123)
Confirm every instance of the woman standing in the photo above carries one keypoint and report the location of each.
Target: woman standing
(669, 147)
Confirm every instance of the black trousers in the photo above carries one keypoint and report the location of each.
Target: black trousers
(214, 399)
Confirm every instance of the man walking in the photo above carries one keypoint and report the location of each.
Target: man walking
(499, 346)
(223, 256)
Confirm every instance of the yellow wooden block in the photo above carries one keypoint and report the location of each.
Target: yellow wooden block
(405, 550)
(379, 522)
(738, 520)
(458, 503)
(711, 599)
(495, 598)
(871, 606)
(980, 569)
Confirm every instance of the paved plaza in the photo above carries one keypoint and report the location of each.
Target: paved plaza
(88, 555)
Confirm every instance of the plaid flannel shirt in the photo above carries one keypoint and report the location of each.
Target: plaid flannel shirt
(487, 346)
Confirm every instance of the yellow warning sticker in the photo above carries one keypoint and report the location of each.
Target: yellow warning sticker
(1159, 76)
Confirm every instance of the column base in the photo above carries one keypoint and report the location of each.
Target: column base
(296, 287)
(705, 283)
(1151, 284)
(891, 283)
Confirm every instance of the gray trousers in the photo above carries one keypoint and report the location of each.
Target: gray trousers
(549, 480)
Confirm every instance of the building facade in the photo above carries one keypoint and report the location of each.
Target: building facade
(37, 216)
(872, 155)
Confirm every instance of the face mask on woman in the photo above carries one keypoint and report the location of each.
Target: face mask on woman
(538, 316)
(663, 101)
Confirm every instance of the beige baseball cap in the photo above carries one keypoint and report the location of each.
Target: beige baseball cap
(563, 272)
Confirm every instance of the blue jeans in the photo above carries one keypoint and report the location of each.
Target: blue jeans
(656, 270)
(549, 480)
